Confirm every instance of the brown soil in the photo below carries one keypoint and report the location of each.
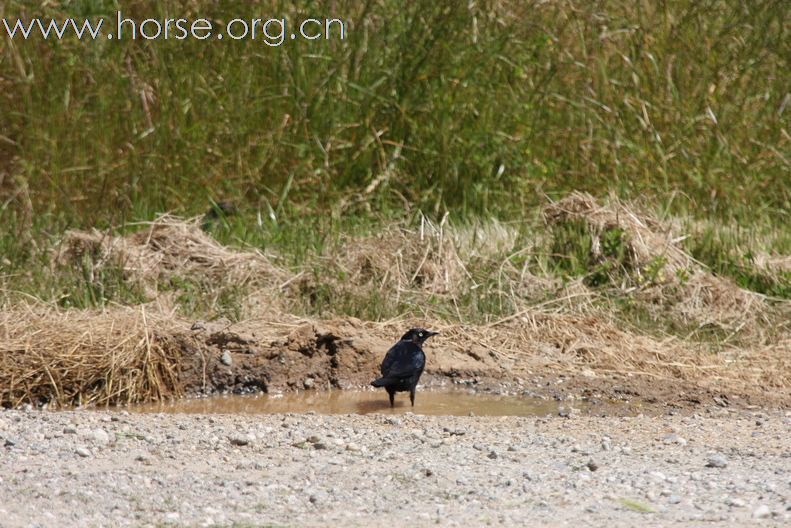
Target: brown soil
(129, 355)
(268, 356)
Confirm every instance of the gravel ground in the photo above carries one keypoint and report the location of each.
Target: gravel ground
(86, 468)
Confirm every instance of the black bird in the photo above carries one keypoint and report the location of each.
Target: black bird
(403, 365)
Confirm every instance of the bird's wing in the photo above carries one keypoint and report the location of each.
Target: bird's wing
(403, 359)
(389, 360)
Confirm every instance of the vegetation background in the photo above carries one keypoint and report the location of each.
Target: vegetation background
(481, 110)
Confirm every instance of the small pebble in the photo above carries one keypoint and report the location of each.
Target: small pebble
(226, 359)
(717, 460)
(240, 440)
(674, 439)
(83, 452)
(101, 437)
(658, 476)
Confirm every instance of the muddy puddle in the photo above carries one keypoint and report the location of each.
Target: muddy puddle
(435, 403)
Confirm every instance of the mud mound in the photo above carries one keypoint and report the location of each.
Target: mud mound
(293, 353)
(305, 354)
(76, 357)
(165, 248)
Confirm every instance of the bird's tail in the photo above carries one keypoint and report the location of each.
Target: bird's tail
(379, 382)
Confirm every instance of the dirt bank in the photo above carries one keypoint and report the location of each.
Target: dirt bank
(264, 356)
(127, 355)
(687, 337)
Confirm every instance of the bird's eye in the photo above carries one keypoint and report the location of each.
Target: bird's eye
(420, 334)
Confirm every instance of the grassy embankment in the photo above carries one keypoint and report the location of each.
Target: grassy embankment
(481, 112)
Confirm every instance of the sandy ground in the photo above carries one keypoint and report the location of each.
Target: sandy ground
(719, 467)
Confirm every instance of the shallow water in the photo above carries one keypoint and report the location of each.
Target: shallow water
(435, 403)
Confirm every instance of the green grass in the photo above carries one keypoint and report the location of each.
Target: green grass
(731, 253)
(480, 110)
(477, 110)
(635, 506)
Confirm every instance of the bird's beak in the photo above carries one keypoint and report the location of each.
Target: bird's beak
(432, 334)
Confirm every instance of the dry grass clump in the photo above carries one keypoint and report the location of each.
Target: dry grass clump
(678, 285)
(400, 259)
(79, 357)
(716, 302)
(579, 344)
(773, 263)
(647, 238)
(484, 240)
(497, 246)
(169, 247)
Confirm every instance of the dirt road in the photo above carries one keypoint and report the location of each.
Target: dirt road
(82, 468)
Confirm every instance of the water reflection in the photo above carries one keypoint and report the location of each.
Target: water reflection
(436, 403)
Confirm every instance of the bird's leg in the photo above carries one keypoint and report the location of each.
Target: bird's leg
(412, 397)
(392, 398)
